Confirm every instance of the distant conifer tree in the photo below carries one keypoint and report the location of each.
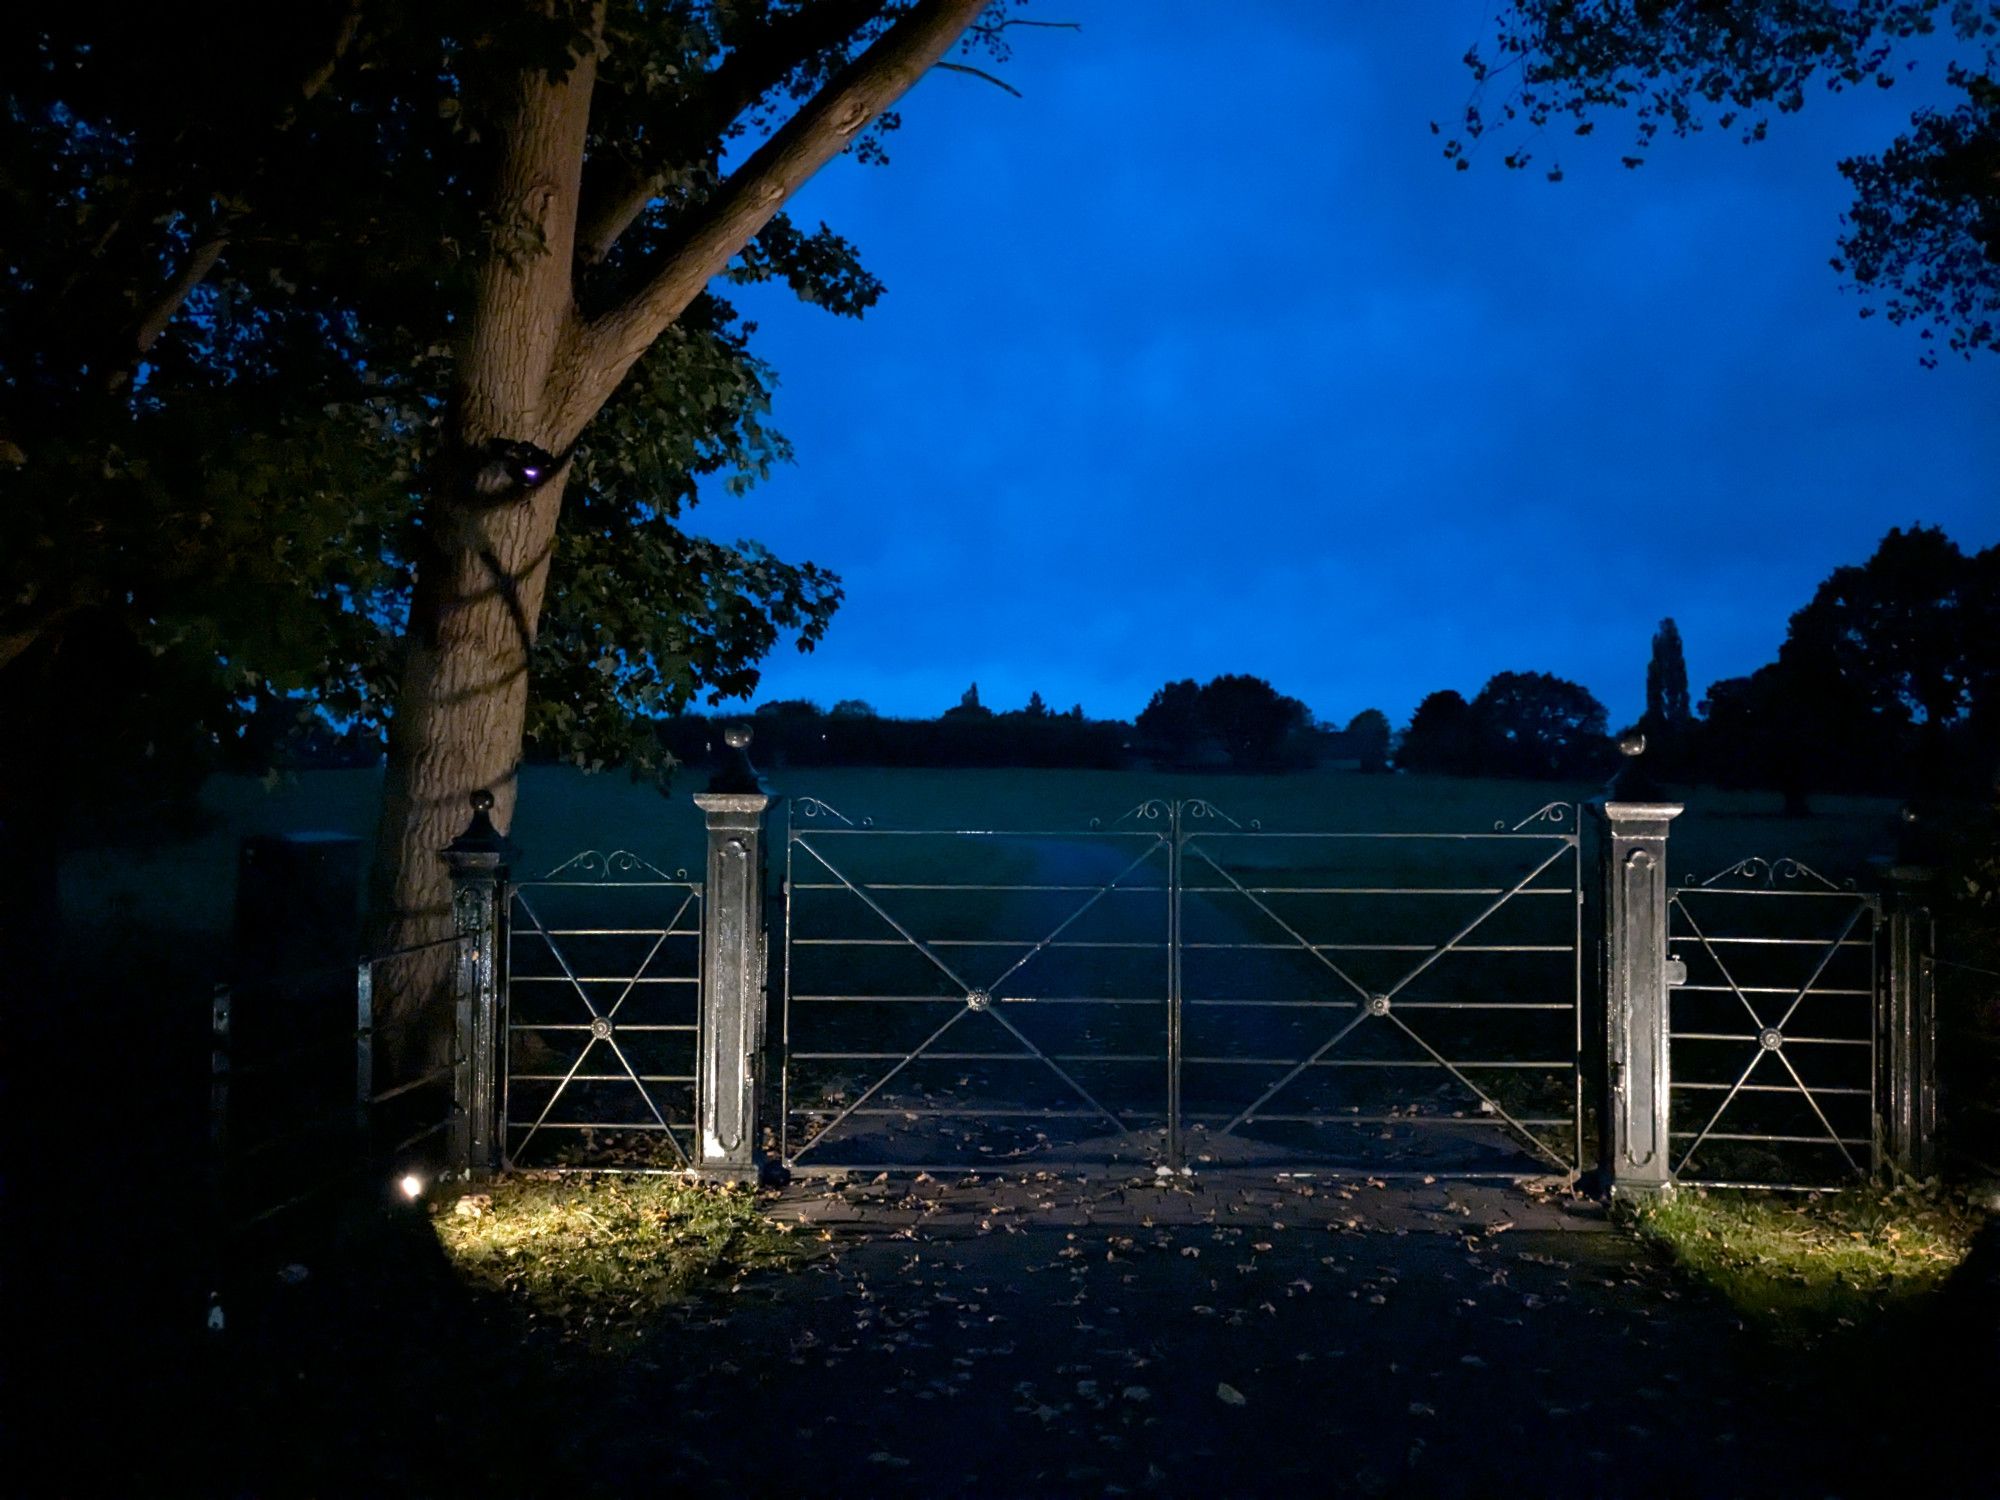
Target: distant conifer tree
(969, 706)
(1667, 704)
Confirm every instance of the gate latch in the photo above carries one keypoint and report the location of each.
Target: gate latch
(1677, 971)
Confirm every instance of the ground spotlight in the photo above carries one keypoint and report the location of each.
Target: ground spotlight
(412, 1185)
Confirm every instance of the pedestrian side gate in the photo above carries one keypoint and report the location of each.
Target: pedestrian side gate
(1777, 979)
(602, 1013)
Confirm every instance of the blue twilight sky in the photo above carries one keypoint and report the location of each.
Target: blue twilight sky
(1200, 358)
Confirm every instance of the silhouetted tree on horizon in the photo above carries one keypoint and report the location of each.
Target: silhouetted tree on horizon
(1253, 724)
(1368, 734)
(1440, 736)
(1257, 725)
(1172, 718)
(969, 706)
(1538, 724)
(1669, 714)
(1912, 635)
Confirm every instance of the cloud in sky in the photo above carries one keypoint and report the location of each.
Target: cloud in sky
(1200, 358)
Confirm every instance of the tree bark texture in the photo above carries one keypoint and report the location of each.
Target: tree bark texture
(534, 370)
(463, 696)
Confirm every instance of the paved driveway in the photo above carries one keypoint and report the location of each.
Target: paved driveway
(1046, 1337)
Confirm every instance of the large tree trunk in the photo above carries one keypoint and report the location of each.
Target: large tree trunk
(534, 371)
(462, 701)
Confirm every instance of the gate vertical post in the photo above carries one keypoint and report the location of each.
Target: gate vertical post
(733, 962)
(1637, 1159)
(1906, 1088)
(478, 859)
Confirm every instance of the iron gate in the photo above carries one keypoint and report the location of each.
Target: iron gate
(969, 997)
(1178, 988)
(602, 1014)
(1773, 1028)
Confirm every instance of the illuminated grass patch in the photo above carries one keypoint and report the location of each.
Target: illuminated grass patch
(592, 1257)
(1804, 1264)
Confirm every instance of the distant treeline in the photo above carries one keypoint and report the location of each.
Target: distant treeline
(799, 733)
(1230, 723)
(1888, 682)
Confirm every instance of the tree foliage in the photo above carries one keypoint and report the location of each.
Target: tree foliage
(1923, 235)
(1242, 717)
(1888, 680)
(1529, 724)
(1669, 712)
(1172, 718)
(1912, 634)
(1667, 706)
(1368, 734)
(1538, 724)
(1441, 737)
(242, 245)
(969, 706)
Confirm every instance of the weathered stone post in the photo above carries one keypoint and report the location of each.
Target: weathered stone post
(1906, 1086)
(479, 860)
(727, 1072)
(1636, 812)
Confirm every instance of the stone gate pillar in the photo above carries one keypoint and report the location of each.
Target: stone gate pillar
(729, 1064)
(1906, 1085)
(1636, 1154)
(479, 859)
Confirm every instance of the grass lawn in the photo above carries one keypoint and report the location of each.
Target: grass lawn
(595, 1257)
(1802, 1265)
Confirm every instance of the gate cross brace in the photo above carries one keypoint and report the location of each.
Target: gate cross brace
(555, 952)
(1401, 984)
(1756, 1057)
(958, 1015)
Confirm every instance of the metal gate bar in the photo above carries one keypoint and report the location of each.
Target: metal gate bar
(574, 977)
(882, 914)
(1771, 939)
(1385, 1000)
(837, 847)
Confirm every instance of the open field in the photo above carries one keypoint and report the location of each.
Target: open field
(187, 888)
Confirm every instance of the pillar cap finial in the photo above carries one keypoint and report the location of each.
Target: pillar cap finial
(1633, 783)
(735, 774)
(481, 842)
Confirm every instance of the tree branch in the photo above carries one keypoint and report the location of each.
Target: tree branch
(202, 259)
(17, 639)
(745, 76)
(998, 83)
(614, 215)
(604, 349)
(343, 39)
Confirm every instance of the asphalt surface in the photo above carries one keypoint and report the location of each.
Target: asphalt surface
(1045, 1336)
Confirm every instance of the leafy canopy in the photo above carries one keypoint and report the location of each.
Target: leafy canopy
(239, 253)
(1923, 235)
